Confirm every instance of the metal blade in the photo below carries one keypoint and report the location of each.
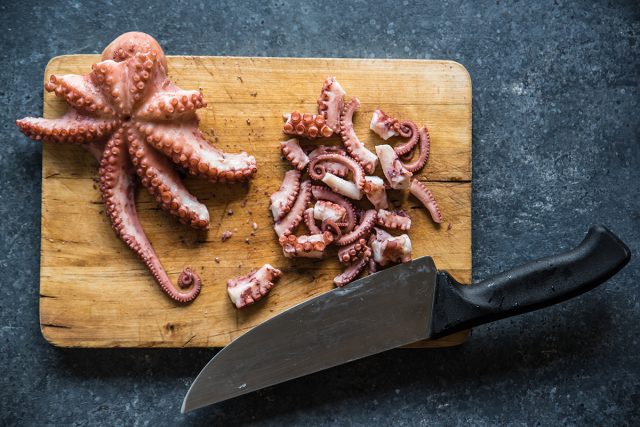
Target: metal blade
(376, 313)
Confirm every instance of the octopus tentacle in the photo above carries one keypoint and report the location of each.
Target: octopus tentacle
(406, 129)
(312, 246)
(118, 187)
(335, 168)
(167, 105)
(425, 147)
(71, 127)
(351, 272)
(310, 222)
(283, 199)
(317, 170)
(323, 193)
(293, 218)
(81, 93)
(376, 192)
(397, 219)
(368, 221)
(292, 151)
(422, 193)
(162, 181)
(354, 146)
(342, 186)
(357, 249)
(333, 227)
(246, 290)
(307, 125)
(383, 125)
(187, 147)
(396, 174)
(330, 103)
(326, 210)
(388, 249)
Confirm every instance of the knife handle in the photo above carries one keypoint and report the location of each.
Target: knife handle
(531, 286)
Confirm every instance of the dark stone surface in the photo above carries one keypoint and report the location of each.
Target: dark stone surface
(556, 147)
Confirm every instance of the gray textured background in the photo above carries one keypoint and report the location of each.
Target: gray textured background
(555, 147)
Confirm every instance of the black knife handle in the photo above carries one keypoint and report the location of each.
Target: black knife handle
(529, 287)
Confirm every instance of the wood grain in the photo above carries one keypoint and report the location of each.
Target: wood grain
(95, 293)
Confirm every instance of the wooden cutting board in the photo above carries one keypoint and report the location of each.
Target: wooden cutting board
(95, 293)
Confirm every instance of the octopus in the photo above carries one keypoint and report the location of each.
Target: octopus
(397, 219)
(282, 200)
(397, 175)
(307, 125)
(388, 249)
(354, 146)
(318, 171)
(291, 220)
(324, 210)
(423, 156)
(330, 103)
(424, 195)
(141, 128)
(335, 168)
(292, 151)
(376, 192)
(311, 246)
(246, 290)
(355, 250)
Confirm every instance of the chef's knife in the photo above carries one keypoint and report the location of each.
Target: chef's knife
(394, 307)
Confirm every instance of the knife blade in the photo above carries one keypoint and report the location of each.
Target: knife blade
(394, 307)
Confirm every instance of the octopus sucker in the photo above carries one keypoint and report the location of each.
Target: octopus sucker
(397, 176)
(246, 290)
(134, 120)
(368, 221)
(117, 185)
(293, 218)
(397, 219)
(376, 192)
(354, 146)
(283, 199)
(330, 102)
(311, 246)
(423, 156)
(307, 125)
(424, 195)
(292, 151)
(158, 175)
(388, 249)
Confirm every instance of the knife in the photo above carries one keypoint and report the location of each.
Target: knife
(394, 307)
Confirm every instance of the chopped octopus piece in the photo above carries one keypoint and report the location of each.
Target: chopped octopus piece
(367, 222)
(376, 192)
(397, 219)
(323, 193)
(422, 193)
(388, 249)
(292, 151)
(293, 218)
(311, 246)
(383, 125)
(310, 222)
(246, 290)
(306, 125)
(325, 210)
(396, 174)
(283, 199)
(317, 168)
(423, 156)
(335, 168)
(354, 146)
(357, 249)
(330, 102)
(351, 272)
(342, 186)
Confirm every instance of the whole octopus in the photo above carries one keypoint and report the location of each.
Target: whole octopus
(323, 188)
(142, 129)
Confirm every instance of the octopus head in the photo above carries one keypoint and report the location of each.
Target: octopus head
(128, 44)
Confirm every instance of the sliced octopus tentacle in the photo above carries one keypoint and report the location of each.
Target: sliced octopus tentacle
(406, 129)
(423, 156)
(383, 125)
(325, 210)
(368, 221)
(293, 218)
(354, 146)
(292, 151)
(376, 192)
(307, 125)
(283, 199)
(317, 168)
(335, 168)
(398, 177)
(357, 249)
(351, 272)
(424, 195)
(330, 103)
(187, 147)
(311, 246)
(71, 127)
(323, 193)
(310, 222)
(397, 219)
(388, 249)
(162, 181)
(342, 186)
(246, 290)
(118, 186)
